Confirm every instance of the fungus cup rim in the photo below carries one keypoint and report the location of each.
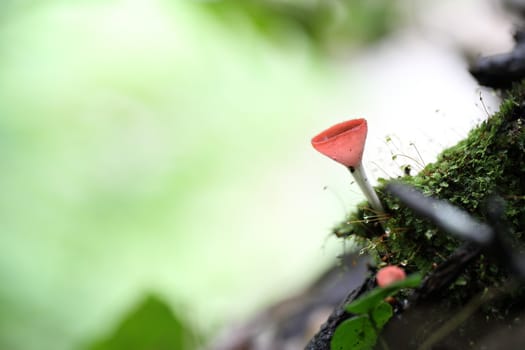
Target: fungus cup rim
(340, 130)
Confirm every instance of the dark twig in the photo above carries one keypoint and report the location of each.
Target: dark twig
(321, 341)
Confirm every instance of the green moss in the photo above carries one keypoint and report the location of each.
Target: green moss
(490, 160)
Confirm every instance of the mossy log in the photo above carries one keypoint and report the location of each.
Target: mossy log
(467, 293)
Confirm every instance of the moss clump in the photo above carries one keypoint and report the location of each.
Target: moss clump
(491, 160)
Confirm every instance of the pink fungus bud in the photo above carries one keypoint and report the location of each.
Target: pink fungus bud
(389, 274)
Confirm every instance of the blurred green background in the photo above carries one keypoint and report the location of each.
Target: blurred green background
(162, 148)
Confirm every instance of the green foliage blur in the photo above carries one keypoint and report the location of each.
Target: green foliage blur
(133, 140)
(151, 326)
(331, 25)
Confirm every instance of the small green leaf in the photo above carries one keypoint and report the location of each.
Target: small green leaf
(356, 333)
(359, 333)
(370, 300)
(381, 314)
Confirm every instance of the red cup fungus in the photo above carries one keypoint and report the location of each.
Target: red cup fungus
(345, 143)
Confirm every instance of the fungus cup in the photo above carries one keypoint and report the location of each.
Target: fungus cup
(389, 274)
(345, 143)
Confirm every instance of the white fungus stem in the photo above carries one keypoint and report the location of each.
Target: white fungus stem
(360, 177)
